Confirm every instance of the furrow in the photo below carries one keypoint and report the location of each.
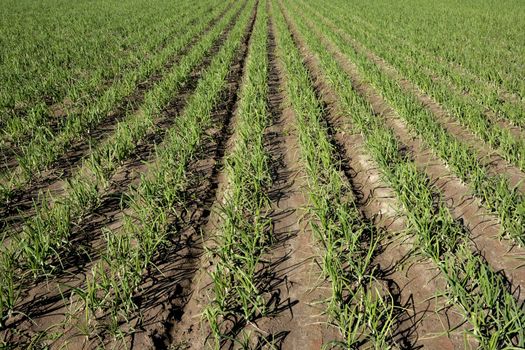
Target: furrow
(85, 234)
(424, 318)
(470, 280)
(22, 194)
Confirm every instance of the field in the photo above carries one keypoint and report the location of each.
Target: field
(262, 174)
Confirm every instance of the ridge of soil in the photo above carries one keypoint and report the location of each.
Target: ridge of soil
(42, 303)
(413, 282)
(484, 227)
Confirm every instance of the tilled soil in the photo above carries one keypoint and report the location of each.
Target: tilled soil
(483, 226)
(44, 302)
(177, 288)
(20, 204)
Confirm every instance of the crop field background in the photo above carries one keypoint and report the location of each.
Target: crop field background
(262, 174)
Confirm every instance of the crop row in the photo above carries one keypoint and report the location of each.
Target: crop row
(468, 84)
(361, 309)
(489, 47)
(494, 190)
(45, 147)
(149, 225)
(483, 295)
(467, 111)
(18, 126)
(421, 56)
(245, 230)
(37, 248)
(62, 59)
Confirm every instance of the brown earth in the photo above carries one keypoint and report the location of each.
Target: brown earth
(178, 286)
(483, 226)
(44, 302)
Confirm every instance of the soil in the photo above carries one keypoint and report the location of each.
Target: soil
(484, 227)
(414, 282)
(20, 204)
(177, 287)
(44, 303)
